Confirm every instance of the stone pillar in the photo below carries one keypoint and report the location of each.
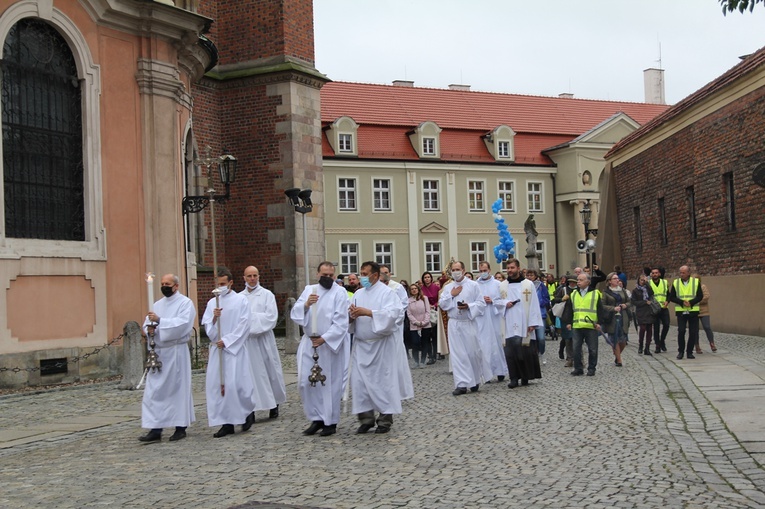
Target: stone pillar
(292, 331)
(133, 354)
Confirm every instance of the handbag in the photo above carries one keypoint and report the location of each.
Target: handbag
(655, 308)
(557, 309)
(433, 316)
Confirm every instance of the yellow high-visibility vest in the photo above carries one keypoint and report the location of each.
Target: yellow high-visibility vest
(686, 292)
(585, 307)
(659, 291)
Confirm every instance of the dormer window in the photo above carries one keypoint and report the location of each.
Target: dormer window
(342, 136)
(425, 140)
(500, 143)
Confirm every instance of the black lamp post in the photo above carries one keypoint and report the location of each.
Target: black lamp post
(586, 214)
(226, 164)
(301, 201)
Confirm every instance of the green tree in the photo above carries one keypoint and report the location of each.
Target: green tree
(738, 5)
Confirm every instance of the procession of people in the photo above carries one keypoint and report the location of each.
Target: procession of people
(358, 339)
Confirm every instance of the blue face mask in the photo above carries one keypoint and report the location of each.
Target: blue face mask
(364, 280)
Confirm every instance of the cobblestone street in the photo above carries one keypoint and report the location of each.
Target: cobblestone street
(644, 435)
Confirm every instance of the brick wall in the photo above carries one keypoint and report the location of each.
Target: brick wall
(730, 140)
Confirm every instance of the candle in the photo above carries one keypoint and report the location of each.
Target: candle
(314, 316)
(150, 289)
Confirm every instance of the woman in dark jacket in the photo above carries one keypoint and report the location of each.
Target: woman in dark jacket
(641, 298)
(616, 330)
(562, 294)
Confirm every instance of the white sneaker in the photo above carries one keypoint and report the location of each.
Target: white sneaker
(543, 358)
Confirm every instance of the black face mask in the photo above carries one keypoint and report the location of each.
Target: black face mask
(167, 291)
(326, 282)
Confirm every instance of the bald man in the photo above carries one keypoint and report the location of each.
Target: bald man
(270, 391)
(686, 293)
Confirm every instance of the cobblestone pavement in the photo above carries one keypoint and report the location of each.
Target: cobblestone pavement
(639, 436)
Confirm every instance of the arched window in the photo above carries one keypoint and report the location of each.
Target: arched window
(42, 135)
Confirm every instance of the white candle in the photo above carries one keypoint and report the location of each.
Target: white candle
(314, 316)
(150, 289)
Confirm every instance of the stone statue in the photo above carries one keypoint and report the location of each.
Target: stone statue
(530, 227)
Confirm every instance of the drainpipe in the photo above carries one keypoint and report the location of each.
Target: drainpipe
(555, 223)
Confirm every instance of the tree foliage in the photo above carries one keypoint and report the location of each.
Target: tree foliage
(738, 5)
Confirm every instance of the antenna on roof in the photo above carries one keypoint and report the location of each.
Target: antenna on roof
(659, 60)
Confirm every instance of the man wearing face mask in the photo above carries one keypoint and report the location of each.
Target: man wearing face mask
(404, 373)
(463, 302)
(322, 311)
(167, 398)
(376, 315)
(237, 401)
(490, 323)
(267, 374)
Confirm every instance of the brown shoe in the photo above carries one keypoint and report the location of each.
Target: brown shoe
(699, 350)
(568, 364)
(713, 347)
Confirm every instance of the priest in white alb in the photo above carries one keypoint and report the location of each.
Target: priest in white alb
(376, 384)
(230, 391)
(522, 316)
(463, 302)
(270, 391)
(490, 323)
(167, 400)
(322, 311)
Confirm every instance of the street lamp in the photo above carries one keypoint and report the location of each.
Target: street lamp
(226, 164)
(301, 201)
(586, 214)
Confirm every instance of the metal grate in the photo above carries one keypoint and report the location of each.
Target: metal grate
(42, 135)
(53, 366)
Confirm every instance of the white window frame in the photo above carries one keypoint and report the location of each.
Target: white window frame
(345, 258)
(345, 143)
(503, 154)
(428, 146)
(429, 265)
(345, 189)
(542, 254)
(437, 192)
(478, 255)
(502, 193)
(540, 193)
(379, 255)
(473, 192)
(376, 190)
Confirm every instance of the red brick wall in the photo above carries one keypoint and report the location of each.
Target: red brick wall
(730, 140)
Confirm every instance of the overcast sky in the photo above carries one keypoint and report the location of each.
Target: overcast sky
(595, 49)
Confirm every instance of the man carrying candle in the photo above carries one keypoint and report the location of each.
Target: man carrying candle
(322, 311)
(236, 403)
(375, 377)
(167, 400)
(261, 346)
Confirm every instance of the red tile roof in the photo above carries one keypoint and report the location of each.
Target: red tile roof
(385, 113)
(746, 66)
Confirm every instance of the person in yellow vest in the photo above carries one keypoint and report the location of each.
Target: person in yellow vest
(660, 288)
(686, 293)
(589, 311)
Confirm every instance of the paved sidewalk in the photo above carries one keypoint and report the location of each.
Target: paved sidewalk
(656, 433)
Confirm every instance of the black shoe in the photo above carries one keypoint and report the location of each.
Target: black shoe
(658, 350)
(380, 430)
(663, 348)
(679, 356)
(577, 373)
(590, 373)
(441, 357)
(459, 391)
(647, 351)
(151, 436)
(364, 428)
(474, 388)
(274, 412)
(640, 349)
(226, 429)
(248, 422)
(618, 364)
(178, 435)
(430, 362)
(560, 355)
(513, 384)
(524, 382)
(328, 430)
(690, 356)
(313, 428)
(501, 378)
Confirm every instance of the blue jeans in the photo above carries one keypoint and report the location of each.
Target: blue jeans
(540, 332)
(590, 336)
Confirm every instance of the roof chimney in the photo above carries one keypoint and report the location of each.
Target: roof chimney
(653, 79)
(567, 95)
(464, 88)
(403, 83)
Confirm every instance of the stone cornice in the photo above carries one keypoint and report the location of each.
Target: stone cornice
(264, 75)
(159, 78)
